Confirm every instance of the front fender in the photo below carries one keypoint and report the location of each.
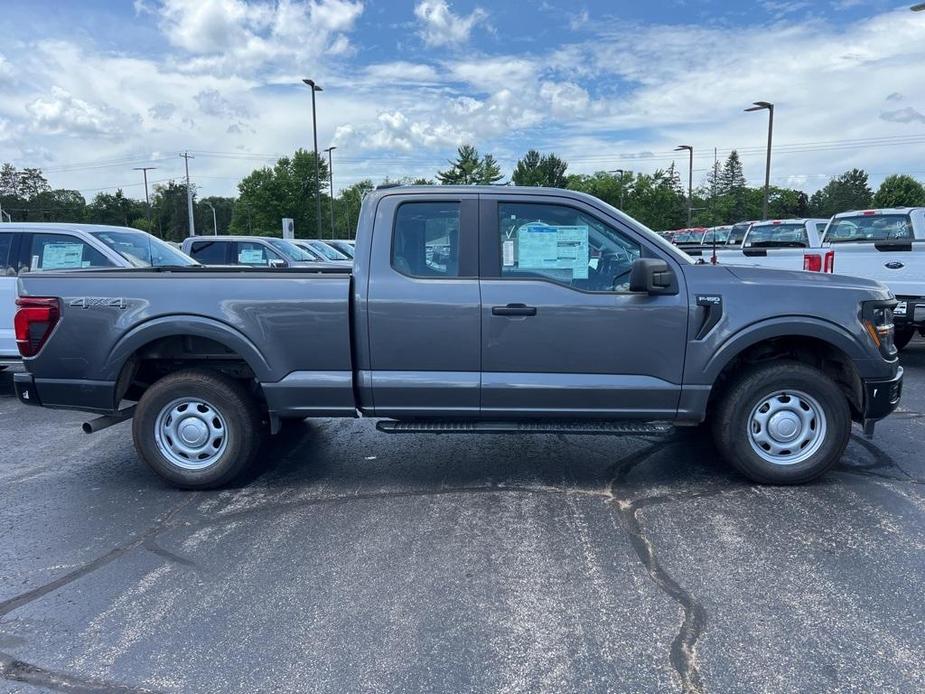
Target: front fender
(183, 325)
(717, 356)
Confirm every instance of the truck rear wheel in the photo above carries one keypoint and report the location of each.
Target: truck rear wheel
(782, 423)
(197, 429)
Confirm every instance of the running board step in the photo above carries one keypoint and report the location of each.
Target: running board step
(609, 428)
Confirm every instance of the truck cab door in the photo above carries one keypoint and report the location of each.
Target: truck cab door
(422, 307)
(562, 335)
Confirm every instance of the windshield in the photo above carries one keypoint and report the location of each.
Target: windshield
(328, 252)
(142, 249)
(737, 233)
(291, 251)
(720, 234)
(880, 227)
(344, 248)
(766, 235)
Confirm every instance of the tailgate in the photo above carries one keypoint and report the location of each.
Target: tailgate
(901, 267)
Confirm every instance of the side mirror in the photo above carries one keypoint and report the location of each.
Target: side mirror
(652, 276)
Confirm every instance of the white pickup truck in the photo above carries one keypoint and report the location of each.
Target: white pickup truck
(887, 245)
(785, 244)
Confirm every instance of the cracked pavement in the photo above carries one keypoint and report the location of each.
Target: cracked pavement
(357, 561)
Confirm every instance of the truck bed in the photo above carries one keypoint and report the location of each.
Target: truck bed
(291, 327)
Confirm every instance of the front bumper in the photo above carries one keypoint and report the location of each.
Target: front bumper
(880, 399)
(909, 311)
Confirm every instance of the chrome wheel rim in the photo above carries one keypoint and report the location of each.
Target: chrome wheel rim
(786, 427)
(191, 433)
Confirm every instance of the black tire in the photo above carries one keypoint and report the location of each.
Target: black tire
(733, 424)
(241, 431)
(902, 337)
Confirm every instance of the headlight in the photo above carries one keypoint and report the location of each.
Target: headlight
(877, 318)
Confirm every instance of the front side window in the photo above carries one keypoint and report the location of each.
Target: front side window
(777, 236)
(63, 252)
(327, 251)
(565, 245)
(292, 251)
(426, 239)
(143, 250)
(251, 253)
(6, 242)
(879, 227)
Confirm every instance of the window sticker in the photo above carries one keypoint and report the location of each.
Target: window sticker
(542, 246)
(62, 256)
(508, 253)
(247, 256)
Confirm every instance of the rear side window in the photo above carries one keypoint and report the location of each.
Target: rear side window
(209, 252)
(251, 253)
(6, 242)
(62, 252)
(878, 227)
(425, 242)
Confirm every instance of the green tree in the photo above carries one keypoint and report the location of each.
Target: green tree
(9, 181)
(348, 207)
(288, 189)
(534, 169)
(114, 209)
(899, 190)
(224, 209)
(31, 183)
(850, 191)
(169, 210)
(470, 168)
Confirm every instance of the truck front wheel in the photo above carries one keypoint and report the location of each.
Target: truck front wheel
(197, 429)
(782, 423)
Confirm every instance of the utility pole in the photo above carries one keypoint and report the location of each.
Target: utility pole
(331, 184)
(214, 218)
(144, 170)
(315, 88)
(761, 106)
(189, 194)
(690, 181)
(621, 172)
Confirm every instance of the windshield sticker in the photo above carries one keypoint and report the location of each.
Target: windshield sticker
(508, 253)
(62, 256)
(545, 247)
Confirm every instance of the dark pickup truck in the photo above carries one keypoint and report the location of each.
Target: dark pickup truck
(468, 310)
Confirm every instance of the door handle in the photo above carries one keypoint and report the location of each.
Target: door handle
(513, 310)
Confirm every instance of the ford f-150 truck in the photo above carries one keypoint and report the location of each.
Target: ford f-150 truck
(468, 310)
(779, 243)
(887, 245)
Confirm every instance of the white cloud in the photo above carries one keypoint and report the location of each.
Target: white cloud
(234, 36)
(904, 115)
(401, 71)
(440, 26)
(60, 112)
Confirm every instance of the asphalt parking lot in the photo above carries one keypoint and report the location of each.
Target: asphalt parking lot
(356, 561)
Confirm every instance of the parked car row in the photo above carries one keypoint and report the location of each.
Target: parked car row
(887, 245)
(40, 247)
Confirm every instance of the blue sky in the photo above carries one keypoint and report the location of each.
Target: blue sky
(88, 90)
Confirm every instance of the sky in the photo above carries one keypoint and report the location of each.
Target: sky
(89, 90)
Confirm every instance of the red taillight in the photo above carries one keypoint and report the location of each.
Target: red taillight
(869, 213)
(35, 318)
(812, 262)
(829, 262)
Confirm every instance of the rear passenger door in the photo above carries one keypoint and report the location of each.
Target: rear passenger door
(423, 306)
(256, 254)
(209, 252)
(7, 294)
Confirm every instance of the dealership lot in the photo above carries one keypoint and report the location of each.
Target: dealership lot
(357, 561)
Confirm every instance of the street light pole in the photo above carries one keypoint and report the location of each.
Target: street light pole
(214, 219)
(761, 106)
(144, 170)
(189, 195)
(331, 184)
(622, 188)
(315, 88)
(690, 181)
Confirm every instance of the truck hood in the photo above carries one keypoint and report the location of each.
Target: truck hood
(791, 278)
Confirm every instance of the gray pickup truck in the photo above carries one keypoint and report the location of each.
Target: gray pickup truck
(468, 310)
